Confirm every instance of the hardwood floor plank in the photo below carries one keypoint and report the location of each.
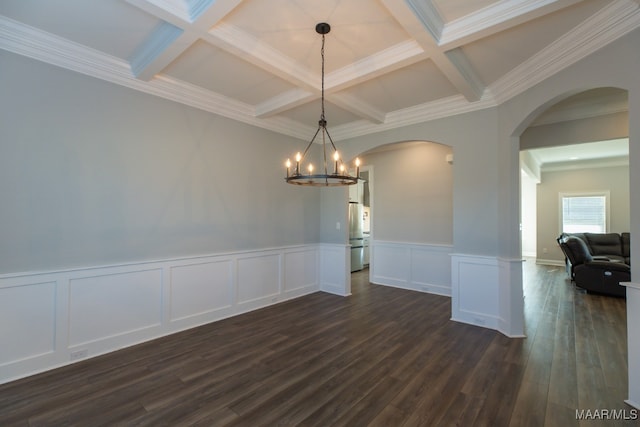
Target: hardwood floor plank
(381, 357)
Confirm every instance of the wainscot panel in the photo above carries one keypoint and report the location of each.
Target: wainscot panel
(74, 314)
(415, 266)
(31, 305)
(201, 289)
(475, 290)
(258, 278)
(335, 267)
(112, 305)
(301, 270)
(633, 343)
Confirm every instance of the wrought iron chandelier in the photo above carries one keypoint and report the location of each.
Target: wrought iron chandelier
(322, 178)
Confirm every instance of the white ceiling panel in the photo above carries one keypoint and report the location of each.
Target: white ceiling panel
(451, 10)
(412, 85)
(214, 69)
(258, 61)
(309, 114)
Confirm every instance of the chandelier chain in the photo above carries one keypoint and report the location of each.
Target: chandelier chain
(322, 78)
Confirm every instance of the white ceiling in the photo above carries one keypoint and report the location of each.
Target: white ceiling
(607, 152)
(389, 63)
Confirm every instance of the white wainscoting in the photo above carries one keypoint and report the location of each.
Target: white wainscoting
(633, 342)
(487, 291)
(415, 266)
(50, 319)
(335, 269)
(475, 290)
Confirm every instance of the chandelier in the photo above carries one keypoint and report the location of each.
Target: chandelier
(322, 177)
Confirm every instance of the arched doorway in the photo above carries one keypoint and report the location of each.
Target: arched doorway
(411, 215)
(580, 144)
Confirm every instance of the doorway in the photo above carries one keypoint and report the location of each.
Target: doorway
(586, 154)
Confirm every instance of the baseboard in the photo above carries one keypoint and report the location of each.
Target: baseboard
(553, 262)
(632, 403)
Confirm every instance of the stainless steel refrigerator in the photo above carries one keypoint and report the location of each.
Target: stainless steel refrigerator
(356, 236)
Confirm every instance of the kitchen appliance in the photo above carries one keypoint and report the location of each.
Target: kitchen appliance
(366, 254)
(356, 236)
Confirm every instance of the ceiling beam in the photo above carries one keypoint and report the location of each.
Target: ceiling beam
(233, 40)
(181, 26)
(284, 102)
(164, 45)
(391, 59)
(357, 106)
(456, 68)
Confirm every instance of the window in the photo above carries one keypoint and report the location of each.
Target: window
(584, 213)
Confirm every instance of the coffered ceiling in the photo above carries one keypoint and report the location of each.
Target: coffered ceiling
(389, 63)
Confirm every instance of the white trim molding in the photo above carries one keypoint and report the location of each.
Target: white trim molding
(487, 292)
(335, 267)
(415, 266)
(633, 342)
(74, 314)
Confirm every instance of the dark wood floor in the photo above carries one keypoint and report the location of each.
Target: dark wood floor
(382, 357)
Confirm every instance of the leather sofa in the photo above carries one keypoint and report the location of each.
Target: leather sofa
(598, 262)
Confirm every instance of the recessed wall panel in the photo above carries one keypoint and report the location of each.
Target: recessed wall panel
(478, 288)
(113, 304)
(300, 270)
(431, 266)
(27, 321)
(258, 277)
(392, 261)
(200, 288)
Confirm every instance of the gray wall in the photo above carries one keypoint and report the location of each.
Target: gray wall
(473, 138)
(612, 179)
(93, 174)
(601, 128)
(412, 193)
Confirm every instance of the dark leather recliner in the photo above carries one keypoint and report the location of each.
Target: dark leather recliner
(594, 275)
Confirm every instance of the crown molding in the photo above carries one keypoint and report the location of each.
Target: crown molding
(614, 21)
(494, 16)
(438, 109)
(36, 44)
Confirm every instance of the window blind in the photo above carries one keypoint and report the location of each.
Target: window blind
(582, 214)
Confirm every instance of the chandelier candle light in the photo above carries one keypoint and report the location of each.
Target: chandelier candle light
(322, 178)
